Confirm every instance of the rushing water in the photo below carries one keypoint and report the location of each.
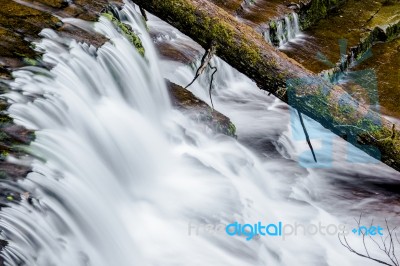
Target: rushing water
(119, 174)
(286, 30)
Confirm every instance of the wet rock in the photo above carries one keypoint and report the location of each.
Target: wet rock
(73, 32)
(54, 3)
(18, 133)
(294, 6)
(198, 110)
(20, 24)
(312, 11)
(231, 5)
(13, 171)
(184, 55)
(361, 23)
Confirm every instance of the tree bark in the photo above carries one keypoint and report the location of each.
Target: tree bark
(245, 49)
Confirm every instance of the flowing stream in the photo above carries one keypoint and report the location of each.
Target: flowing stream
(119, 175)
(286, 30)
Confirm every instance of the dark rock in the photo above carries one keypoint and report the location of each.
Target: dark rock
(54, 3)
(20, 23)
(18, 133)
(198, 110)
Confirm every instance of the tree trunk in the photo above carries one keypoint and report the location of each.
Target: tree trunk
(245, 49)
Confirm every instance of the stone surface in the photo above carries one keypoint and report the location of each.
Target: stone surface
(200, 111)
(353, 22)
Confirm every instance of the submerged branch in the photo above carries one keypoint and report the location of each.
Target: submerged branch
(211, 83)
(307, 136)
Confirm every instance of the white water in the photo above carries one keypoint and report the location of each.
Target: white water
(290, 34)
(288, 29)
(282, 37)
(296, 27)
(122, 173)
(267, 36)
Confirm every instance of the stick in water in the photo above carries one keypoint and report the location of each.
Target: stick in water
(211, 83)
(204, 62)
(307, 136)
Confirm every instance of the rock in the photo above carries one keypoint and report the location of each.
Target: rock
(198, 110)
(54, 3)
(20, 24)
(294, 6)
(169, 51)
(71, 31)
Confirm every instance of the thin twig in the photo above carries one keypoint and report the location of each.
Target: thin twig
(205, 60)
(211, 83)
(389, 250)
(347, 245)
(307, 136)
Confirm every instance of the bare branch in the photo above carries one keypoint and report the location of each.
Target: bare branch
(347, 245)
(307, 136)
(392, 257)
(397, 238)
(205, 60)
(388, 248)
(211, 82)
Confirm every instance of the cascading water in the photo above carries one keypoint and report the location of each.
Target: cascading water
(119, 174)
(282, 37)
(267, 36)
(296, 27)
(290, 34)
(284, 30)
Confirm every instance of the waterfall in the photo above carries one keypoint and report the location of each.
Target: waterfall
(296, 26)
(118, 175)
(282, 37)
(284, 30)
(267, 37)
(290, 34)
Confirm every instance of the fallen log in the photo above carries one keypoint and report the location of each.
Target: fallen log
(244, 49)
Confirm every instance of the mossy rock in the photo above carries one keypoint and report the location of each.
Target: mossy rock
(127, 31)
(200, 111)
(316, 10)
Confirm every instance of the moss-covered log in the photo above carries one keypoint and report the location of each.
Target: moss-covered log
(243, 48)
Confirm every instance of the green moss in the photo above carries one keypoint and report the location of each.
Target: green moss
(186, 16)
(30, 61)
(232, 129)
(317, 10)
(4, 119)
(127, 31)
